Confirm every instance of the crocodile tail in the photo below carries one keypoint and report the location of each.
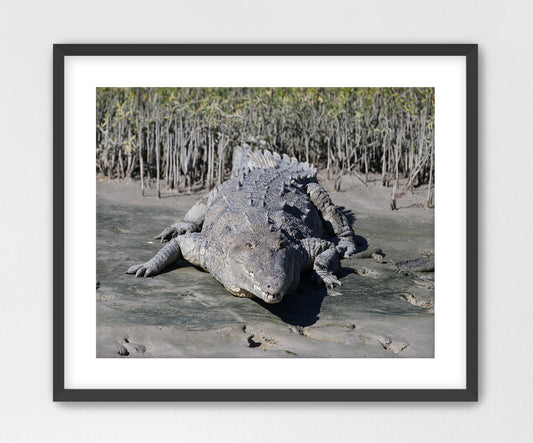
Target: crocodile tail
(244, 158)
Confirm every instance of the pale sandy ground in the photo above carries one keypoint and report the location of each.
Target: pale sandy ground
(377, 312)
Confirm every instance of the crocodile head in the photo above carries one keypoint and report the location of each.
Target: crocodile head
(264, 265)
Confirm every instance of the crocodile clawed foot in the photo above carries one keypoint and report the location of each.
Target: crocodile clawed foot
(167, 234)
(326, 279)
(133, 269)
(175, 230)
(331, 281)
(142, 270)
(346, 247)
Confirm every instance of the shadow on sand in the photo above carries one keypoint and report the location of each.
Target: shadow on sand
(300, 308)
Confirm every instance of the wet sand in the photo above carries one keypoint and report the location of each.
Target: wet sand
(379, 311)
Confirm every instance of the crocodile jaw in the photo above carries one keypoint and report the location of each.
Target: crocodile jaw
(268, 298)
(257, 292)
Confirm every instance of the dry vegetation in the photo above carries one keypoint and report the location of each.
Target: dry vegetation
(185, 136)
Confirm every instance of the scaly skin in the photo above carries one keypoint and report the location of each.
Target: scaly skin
(259, 231)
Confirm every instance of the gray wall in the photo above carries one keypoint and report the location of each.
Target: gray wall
(503, 31)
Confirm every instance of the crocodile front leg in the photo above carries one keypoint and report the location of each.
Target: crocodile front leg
(325, 260)
(190, 247)
(169, 254)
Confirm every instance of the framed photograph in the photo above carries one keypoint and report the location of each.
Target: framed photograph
(265, 222)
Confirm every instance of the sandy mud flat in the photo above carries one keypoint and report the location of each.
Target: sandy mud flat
(381, 310)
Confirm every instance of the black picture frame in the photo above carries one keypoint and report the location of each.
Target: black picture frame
(470, 393)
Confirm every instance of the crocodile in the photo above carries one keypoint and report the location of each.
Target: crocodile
(260, 230)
